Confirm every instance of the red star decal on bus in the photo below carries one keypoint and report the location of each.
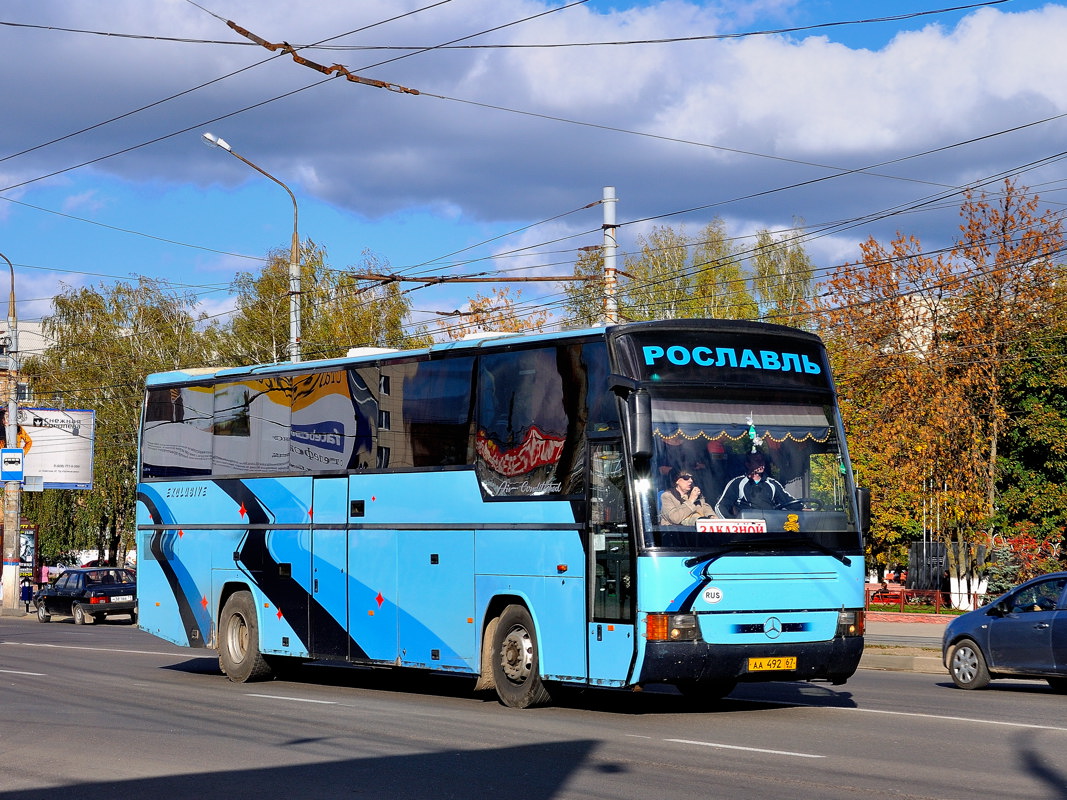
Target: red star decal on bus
(203, 601)
(242, 510)
(379, 599)
(181, 534)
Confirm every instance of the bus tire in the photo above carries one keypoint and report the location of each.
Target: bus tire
(516, 661)
(239, 656)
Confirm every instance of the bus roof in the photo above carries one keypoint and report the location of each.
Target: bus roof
(472, 345)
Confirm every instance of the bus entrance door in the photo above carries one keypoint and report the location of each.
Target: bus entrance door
(328, 610)
(611, 631)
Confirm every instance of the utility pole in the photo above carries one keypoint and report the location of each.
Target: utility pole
(12, 489)
(611, 301)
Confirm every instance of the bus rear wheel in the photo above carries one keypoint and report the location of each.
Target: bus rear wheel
(516, 661)
(239, 655)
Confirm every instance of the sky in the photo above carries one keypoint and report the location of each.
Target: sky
(761, 113)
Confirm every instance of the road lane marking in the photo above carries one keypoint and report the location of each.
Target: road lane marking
(956, 719)
(18, 672)
(747, 749)
(1002, 723)
(105, 649)
(295, 699)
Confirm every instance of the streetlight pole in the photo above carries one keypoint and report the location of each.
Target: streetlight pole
(12, 489)
(294, 249)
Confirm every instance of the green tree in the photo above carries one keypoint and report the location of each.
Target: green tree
(783, 277)
(340, 309)
(659, 284)
(721, 287)
(670, 275)
(107, 339)
(584, 306)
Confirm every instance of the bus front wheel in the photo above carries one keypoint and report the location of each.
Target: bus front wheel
(239, 655)
(516, 663)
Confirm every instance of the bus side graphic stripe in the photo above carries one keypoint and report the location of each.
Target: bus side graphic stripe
(285, 593)
(159, 553)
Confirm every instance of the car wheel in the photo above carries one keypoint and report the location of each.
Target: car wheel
(516, 660)
(967, 666)
(79, 615)
(42, 614)
(239, 655)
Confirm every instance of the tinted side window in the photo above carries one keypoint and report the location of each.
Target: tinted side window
(334, 417)
(251, 426)
(532, 415)
(176, 440)
(435, 413)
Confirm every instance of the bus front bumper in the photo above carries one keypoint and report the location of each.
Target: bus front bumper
(834, 660)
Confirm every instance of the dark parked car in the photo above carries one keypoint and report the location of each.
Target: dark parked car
(1021, 634)
(96, 592)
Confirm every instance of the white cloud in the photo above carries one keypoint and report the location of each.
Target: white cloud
(374, 154)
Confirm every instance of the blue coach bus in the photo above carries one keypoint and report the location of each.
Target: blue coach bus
(494, 508)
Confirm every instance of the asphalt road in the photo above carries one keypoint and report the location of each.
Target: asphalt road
(106, 711)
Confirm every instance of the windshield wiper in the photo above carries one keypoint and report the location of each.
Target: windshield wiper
(751, 544)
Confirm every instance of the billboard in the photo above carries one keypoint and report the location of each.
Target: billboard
(58, 445)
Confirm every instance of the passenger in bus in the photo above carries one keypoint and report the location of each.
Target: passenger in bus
(683, 503)
(754, 489)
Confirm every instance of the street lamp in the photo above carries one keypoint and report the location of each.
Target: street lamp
(12, 489)
(211, 140)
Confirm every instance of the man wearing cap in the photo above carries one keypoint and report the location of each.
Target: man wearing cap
(754, 489)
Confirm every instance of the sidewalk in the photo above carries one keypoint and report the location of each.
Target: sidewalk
(904, 642)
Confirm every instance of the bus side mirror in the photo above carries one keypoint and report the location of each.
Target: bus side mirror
(863, 501)
(639, 406)
(638, 420)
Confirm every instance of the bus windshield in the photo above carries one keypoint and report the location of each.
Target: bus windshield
(747, 474)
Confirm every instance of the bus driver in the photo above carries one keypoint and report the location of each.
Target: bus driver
(754, 489)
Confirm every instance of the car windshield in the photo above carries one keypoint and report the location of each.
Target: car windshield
(741, 475)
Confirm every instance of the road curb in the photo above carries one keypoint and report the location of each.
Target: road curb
(930, 664)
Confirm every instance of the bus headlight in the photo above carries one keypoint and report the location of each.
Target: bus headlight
(671, 628)
(851, 623)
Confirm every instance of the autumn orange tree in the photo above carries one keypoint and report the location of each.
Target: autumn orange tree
(497, 311)
(922, 346)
